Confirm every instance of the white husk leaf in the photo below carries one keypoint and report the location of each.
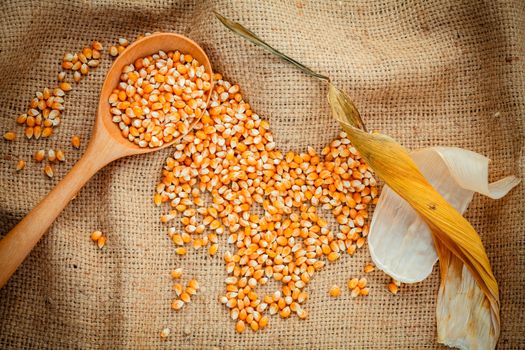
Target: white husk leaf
(400, 242)
(463, 315)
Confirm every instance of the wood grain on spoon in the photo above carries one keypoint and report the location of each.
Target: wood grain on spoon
(106, 145)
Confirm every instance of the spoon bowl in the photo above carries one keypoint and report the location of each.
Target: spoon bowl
(141, 48)
(106, 144)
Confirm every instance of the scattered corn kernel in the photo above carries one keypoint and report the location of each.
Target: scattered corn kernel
(180, 251)
(193, 284)
(39, 155)
(177, 304)
(37, 132)
(95, 235)
(51, 155)
(240, 326)
(60, 155)
(213, 249)
(101, 242)
(185, 297)
(369, 268)
(28, 132)
(302, 314)
(75, 141)
(65, 86)
(113, 51)
(178, 288)
(393, 286)
(10, 136)
(97, 46)
(333, 256)
(362, 283)
(21, 119)
(335, 291)
(77, 76)
(21, 164)
(177, 273)
(352, 283)
(48, 170)
(165, 333)
(47, 131)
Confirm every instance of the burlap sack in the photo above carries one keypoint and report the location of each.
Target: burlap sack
(426, 72)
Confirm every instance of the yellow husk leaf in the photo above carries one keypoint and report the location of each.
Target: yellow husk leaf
(453, 235)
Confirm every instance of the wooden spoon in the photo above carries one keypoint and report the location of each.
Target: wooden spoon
(106, 145)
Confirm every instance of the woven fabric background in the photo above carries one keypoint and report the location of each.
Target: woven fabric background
(428, 73)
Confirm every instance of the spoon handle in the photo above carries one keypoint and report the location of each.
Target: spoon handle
(19, 242)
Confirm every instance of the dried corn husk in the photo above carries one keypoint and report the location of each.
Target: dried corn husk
(458, 245)
(399, 241)
(465, 318)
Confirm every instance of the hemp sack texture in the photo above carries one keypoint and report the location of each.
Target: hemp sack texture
(428, 73)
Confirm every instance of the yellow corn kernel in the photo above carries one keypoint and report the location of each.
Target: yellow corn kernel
(352, 283)
(65, 86)
(393, 288)
(213, 249)
(10, 136)
(47, 131)
(60, 156)
(369, 268)
(193, 284)
(177, 287)
(97, 46)
(20, 164)
(101, 242)
(185, 297)
(285, 312)
(180, 250)
(39, 155)
(113, 51)
(333, 256)
(177, 304)
(75, 141)
(95, 236)
(28, 132)
(240, 326)
(165, 333)
(335, 291)
(177, 273)
(51, 155)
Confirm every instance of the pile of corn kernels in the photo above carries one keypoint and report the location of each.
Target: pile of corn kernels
(159, 97)
(268, 203)
(265, 201)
